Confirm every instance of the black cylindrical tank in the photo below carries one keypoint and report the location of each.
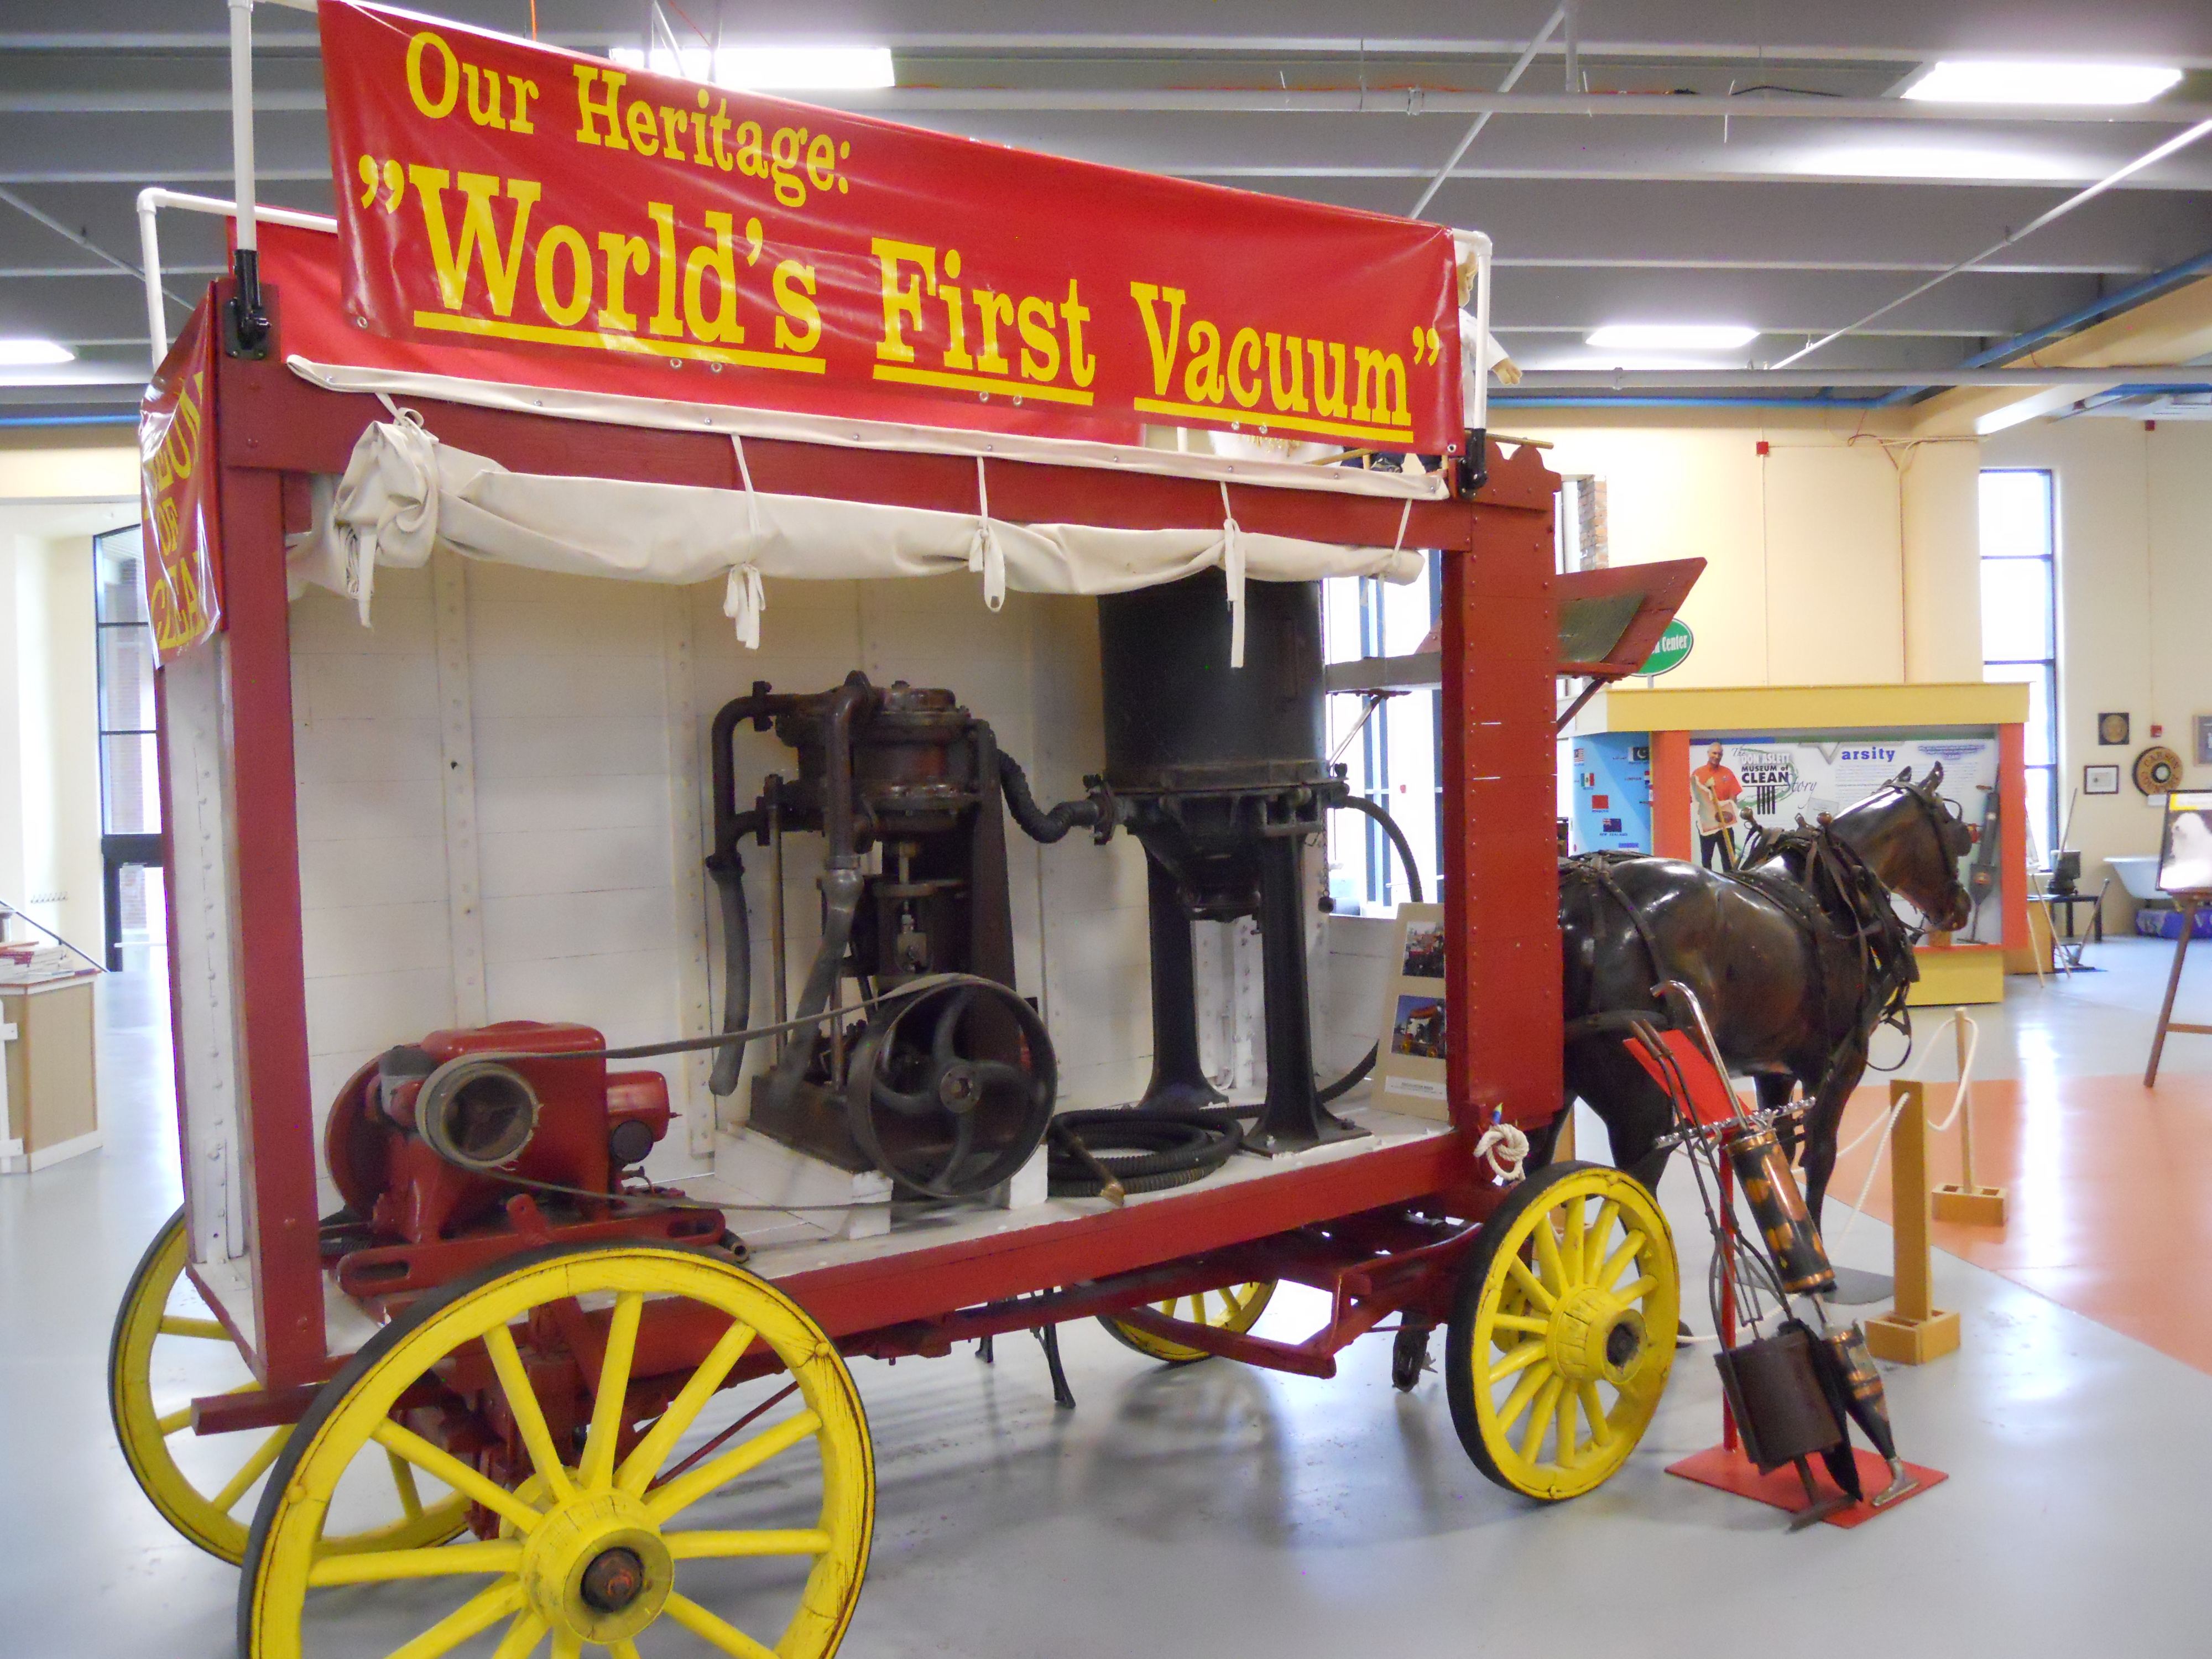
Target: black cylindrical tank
(1178, 717)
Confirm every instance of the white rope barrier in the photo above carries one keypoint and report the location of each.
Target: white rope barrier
(1888, 1120)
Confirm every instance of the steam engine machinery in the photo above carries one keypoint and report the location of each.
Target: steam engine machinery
(1220, 772)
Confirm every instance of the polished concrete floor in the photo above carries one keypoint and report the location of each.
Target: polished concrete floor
(1221, 1511)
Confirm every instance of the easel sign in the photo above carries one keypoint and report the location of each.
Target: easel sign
(2184, 875)
(1409, 1063)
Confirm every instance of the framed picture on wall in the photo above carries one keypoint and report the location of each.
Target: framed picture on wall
(2112, 730)
(2100, 780)
(2204, 739)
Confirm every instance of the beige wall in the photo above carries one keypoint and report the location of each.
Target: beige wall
(2134, 572)
(1837, 558)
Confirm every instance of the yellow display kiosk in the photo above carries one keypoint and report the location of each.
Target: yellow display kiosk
(1952, 971)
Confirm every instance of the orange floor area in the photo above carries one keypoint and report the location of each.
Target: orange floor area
(2109, 1210)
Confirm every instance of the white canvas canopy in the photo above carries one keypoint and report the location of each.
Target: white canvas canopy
(404, 493)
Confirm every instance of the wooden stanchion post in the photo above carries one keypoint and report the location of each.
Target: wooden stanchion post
(1915, 1331)
(1975, 1205)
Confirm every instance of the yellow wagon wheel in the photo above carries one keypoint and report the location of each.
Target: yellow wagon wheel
(1562, 1332)
(1233, 1308)
(166, 1349)
(618, 1501)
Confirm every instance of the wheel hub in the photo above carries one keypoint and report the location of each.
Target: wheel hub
(596, 1568)
(1595, 1336)
(957, 1089)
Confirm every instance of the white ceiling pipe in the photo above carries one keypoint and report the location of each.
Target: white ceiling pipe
(1636, 379)
(1482, 120)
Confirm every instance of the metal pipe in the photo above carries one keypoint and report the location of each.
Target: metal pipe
(242, 122)
(1571, 44)
(1520, 66)
(2149, 158)
(1626, 380)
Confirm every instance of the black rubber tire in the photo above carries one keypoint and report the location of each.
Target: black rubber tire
(1409, 1356)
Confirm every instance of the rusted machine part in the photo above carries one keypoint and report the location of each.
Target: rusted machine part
(1770, 1187)
(902, 784)
(1782, 1408)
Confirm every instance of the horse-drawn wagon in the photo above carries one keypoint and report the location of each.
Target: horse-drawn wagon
(495, 1367)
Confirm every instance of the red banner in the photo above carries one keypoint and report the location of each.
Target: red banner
(664, 239)
(177, 489)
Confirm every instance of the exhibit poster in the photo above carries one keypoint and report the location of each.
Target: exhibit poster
(1612, 809)
(1409, 1062)
(1737, 782)
(2185, 860)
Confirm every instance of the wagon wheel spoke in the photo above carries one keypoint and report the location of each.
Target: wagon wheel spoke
(402, 1482)
(1563, 1444)
(1552, 1269)
(479, 1612)
(1571, 1244)
(568, 1646)
(522, 1636)
(1531, 1384)
(650, 1453)
(712, 1630)
(443, 1561)
(1617, 1263)
(668, 1501)
(442, 1464)
(251, 1471)
(1540, 1420)
(203, 1330)
(1518, 1270)
(1642, 1288)
(1601, 1430)
(1519, 1359)
(595, 1470)
(725, 1546)
(529, 1419)
(1522, 1323)
(1594, 1252)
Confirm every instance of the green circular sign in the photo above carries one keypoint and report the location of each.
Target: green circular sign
(1673, 649)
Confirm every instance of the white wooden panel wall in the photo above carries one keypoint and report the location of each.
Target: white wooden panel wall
(535, 748)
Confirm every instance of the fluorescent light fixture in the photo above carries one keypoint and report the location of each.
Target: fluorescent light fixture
(772, 68)
(1673, 337)
(32, 353)
(1966, 80)
(1881, 161)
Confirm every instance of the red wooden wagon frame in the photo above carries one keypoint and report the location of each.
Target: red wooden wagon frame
(545, 1368)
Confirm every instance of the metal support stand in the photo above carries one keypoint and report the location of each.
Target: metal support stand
(1179, 1081)
(1293, 1118)
(2190, 904)
(1062, 1396)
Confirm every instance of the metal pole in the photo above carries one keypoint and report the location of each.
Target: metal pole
(1474, 129)
(1965, 1103)
(1572, 39)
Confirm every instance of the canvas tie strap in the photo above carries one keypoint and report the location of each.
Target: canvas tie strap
(415, 444)
(984, 554)
(1405, 515)
(1232, 567)
(745, 598)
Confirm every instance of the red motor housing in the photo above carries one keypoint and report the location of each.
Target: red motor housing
(418, 1167)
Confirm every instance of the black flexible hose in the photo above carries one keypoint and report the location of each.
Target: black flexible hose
(1361, 803)
(1146, 1151)
(738, 958)
(1037, 823)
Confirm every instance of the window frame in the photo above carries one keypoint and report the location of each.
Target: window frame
(2053, 700)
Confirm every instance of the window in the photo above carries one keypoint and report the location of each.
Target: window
(129, 783)
(1396, 758)
(2020, 622)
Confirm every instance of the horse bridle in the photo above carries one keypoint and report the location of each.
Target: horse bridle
(1942, 820)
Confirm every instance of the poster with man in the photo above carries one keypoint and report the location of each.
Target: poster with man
(1714, 791)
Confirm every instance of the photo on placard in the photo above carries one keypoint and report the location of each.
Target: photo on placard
(1424, 957)
(2184, 858)
(1417, 1027)
(2100, 780)
(1412, 1039)
(2204, 739)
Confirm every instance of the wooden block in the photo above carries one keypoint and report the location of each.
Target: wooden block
(1972, 1206)
(1912, 1341)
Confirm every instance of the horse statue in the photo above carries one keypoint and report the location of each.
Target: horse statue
(1798, 957)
